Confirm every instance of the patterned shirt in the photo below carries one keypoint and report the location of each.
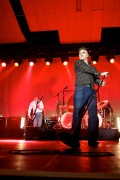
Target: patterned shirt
(86, 74)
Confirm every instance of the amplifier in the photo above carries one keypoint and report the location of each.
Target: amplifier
(13, 122)
(50, 122)
(3, 122)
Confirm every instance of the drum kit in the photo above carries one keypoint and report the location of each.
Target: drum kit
(104, 115)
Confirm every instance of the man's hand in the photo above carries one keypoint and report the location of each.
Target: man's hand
(103, 83)
(104, 74)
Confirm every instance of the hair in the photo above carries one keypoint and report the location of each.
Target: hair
(82, 48)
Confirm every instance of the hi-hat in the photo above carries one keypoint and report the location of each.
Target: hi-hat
(102, 104)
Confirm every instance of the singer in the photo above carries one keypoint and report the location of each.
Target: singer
(86, 77)
(35, 111)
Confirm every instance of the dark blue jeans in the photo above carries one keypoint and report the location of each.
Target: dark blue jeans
(38, 120)
(82, 98)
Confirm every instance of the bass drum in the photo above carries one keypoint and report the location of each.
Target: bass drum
(99, 118)
(66, 120)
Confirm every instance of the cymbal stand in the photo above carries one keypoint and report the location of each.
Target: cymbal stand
(59, 113)
(65, 92)
(57, 105)
(58, 124)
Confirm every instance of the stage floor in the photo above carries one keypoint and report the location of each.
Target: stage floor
(53, 159)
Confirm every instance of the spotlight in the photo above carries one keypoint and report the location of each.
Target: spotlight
(17, 62)
(32, 61)
(110, 58)
(95, 58)
(48, 60)
(3, 63)
(65, 60)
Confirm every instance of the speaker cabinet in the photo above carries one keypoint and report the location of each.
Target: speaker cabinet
(14, 133)
(109, 134)
(35, 133)
(3, 122)
(13, 122)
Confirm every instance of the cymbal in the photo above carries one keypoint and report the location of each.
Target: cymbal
(102, 104)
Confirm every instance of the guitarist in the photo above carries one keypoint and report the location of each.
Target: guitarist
(35, 111)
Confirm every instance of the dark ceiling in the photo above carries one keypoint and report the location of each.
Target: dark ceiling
(37, 28)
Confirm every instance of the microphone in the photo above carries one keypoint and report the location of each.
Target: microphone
(105, 74)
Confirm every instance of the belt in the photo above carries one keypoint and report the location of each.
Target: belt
(86, 85)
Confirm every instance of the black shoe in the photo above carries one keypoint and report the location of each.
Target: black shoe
(93, 144)
(69, 140)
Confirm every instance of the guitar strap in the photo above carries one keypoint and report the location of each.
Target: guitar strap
(34, 113)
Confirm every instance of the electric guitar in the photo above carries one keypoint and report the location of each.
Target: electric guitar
(32, 114)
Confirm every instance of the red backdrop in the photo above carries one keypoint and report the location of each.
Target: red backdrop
(17, 85)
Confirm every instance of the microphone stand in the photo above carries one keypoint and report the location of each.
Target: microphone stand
(87, 107)
(63, 100)
(63, 97)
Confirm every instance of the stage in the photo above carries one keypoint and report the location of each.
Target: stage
(52, 159)
(33, 153)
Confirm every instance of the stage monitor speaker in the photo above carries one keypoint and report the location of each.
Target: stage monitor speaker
(35, 133)
(109, 134)
(11, 133)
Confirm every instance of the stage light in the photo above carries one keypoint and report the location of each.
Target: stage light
(3, 64)
(17, 62)
(95, 58)
(110, 58)
(65, 60)
(32, 61)
(48, 60)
